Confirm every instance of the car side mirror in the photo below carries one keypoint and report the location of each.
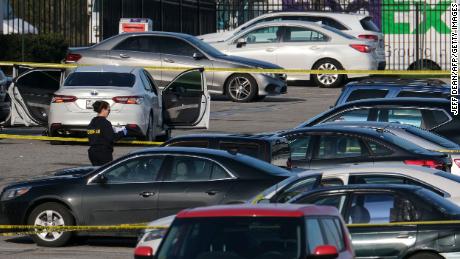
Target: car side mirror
(240, 42)
(325, 252)
(198, 56)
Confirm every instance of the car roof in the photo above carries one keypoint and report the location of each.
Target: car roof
(268, 136)
(260, 210)
(399, 101)
(399, 82)
(367, 124)
(307, 13)
(160, 33)
(106, 68)
(188, 150)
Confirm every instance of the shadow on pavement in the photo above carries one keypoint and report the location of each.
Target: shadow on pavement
(85, 241)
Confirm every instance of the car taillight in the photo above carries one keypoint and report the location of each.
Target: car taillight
(362, 48)
(427, 163)
(143, 252)
(63, 99)
(369, 37)
(128, 99)
(457, 162)
(71, 58)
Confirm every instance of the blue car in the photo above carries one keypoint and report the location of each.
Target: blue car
(393, 88)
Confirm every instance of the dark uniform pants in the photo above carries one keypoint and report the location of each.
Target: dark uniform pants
(100, 156)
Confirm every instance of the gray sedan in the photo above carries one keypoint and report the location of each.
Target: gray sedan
(182, 50)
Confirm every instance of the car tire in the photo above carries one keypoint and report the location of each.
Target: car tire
(259, 98)
(425, 255)
(241, 88)
(328, 80)
(150, 133)
(60, 216)
(55, 142)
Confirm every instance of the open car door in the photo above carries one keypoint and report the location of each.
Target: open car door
(31, 93)
(186, 101)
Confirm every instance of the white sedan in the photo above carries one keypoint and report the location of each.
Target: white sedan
(304, 45)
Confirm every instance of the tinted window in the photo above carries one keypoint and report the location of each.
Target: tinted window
(280, 152)
(315, 236)
(421, 94)
(338, 147)
(379, 149)
(184, 168)
(434, 118)
(298, 34)
(331, 182)
(141, 169)
(242, 237)
(263, 35)
(360, 94)
(100, 79)
(369, 25)
(333, 233)
(187, 85)
(299, 146)
(192, 143)
(250, 149)
(339, 32)
(300, 186)
(352, 115)
(173, 46)
(47, 80)
(325, 200)
(139, 43)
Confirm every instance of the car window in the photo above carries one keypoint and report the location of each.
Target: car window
(360, 94)
(151, 82)
(138, 43)
(299, 145)
(263, 35)
(178, 47)
(191, 143)
(324, 20)
(100, 79)
(331, 182)
(300, 34)
(300, 186)
(246, 148)
(334, 200)
(280, 153)
(378, 208)
(46, 80)
(333, 233)
(337, 146)
(145, 82)
(351, 115)
(186, 85)
(315, 236)
(379, 149)
(369, 25)
(140, 169)
(404, 116)
(185, 168)
(434, 118)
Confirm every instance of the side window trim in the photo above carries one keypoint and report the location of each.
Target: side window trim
(286, 29)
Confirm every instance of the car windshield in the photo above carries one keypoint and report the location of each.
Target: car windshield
(100, 79)
(205, 47)
(339, 32)
(233, 237)
(433, 137)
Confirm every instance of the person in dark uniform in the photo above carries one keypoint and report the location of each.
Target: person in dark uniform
(102, 136)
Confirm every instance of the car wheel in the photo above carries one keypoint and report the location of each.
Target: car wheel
(150, 134)
(425, 255)
(241, 88)
(328, 80)
(51, 214)
(260, 98)
(54, 142)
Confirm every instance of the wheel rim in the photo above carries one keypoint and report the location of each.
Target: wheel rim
(49, 218)
(327, 79)
(240, 88)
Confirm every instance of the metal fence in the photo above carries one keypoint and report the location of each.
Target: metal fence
(417, 33)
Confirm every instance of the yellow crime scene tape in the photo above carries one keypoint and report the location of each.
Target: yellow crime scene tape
(81, 140)
(248, 70)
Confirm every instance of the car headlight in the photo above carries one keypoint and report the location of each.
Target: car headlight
(270, 75)
(9, 194)
(154, 234)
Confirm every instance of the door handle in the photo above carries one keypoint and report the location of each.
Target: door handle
(270, 49)
(211, 192)
(146, 194)
(122, 55)
(404, 236)
(168, 60)
(314, 47)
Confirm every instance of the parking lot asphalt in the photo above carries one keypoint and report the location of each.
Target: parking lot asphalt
(24, 159)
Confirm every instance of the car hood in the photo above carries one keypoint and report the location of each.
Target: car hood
(45, 180)
(248, 62)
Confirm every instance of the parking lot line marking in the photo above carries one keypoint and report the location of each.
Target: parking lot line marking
(80, 140)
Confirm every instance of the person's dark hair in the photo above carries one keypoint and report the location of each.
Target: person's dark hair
(98, 106)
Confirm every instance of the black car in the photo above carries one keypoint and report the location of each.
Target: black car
(267, 147)
(432, 114)
(335, 144)
(371, 88)
(139, 187)
(393, 221)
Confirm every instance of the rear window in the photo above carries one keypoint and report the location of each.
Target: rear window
(100, 79)
(233, 237)
(361, 94)
(191, 143)
(369, 25)
(247, 148)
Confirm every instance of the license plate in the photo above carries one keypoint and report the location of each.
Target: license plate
(89, 104)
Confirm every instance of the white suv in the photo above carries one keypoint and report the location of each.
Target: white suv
(357, 25)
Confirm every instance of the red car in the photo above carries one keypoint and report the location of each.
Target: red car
(281, 231)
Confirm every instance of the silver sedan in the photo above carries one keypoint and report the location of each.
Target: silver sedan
(182, 50)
